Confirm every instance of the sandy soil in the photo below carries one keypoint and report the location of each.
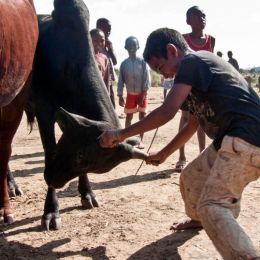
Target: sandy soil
(135, 215)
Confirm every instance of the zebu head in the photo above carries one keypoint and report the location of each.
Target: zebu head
(78, 151)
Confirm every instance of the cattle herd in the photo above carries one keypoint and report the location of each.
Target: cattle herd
(48, 69)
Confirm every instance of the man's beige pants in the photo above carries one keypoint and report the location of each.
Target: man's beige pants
(212, 186)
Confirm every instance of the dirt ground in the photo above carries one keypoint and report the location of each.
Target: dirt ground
(135, 215)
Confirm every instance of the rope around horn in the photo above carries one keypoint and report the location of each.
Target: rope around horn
(147, 150)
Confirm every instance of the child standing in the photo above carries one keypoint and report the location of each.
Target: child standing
(167, 85)
(219, 99)
(197, 41)
(134, 74)
(105, 25)
(98, 41)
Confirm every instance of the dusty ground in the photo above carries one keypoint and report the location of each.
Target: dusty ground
(135, 214)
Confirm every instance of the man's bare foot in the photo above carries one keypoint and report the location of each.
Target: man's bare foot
(185, 223)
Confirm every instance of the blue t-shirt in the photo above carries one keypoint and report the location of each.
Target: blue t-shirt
(220, 98)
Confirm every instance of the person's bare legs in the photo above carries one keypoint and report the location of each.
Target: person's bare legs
(185, 223)
(182, 158)
(201, 139)
(141, 116)
(164, 93)
(128, 119)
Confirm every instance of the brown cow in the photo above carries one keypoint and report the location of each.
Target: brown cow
(18, 39)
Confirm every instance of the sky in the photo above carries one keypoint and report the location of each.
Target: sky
(235, 24)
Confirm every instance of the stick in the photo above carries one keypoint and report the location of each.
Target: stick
(147, 150)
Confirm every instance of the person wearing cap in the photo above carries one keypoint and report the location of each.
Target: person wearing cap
(134, 75)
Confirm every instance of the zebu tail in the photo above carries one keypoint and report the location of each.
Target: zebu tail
(30, 114)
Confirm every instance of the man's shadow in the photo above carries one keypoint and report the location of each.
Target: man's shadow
(165, 248)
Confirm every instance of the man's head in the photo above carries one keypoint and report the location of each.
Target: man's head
(219, 53)
(196, 18)
(104, 25)
(131, 45)
(229, 54)
(163, 51)
(98, 39)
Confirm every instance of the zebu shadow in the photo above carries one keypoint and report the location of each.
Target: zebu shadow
(15, 250)
(29, 172)
(165, 248)
(24, 156)
(72, 189)
(35, 162)
(12, 231)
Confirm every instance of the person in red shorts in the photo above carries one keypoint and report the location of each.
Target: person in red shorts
(134, 74)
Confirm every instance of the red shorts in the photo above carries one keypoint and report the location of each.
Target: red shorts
(131, 105)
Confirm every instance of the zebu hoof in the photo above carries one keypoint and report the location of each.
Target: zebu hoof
(15, 192)
(89, 202)
(8, 219)
(18, 191)
(51, 221)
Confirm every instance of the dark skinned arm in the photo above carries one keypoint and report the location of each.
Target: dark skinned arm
(156, 118)
(177, 142)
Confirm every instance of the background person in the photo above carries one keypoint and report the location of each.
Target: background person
(232, 61)
(167, 85)
(98, 41)
(105, 25)
(133, 74)
(197, 41)
(220, 54)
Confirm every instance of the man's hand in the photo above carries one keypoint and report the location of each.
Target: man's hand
(109, 45)
(156, 158)
(121, 101)
(110, 138)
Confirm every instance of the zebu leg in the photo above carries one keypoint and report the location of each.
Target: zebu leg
(10, 118)
(14, 189)
(88, 199)
(51, 216)
(45, 117)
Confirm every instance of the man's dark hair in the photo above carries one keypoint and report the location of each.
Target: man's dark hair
(157, 42)
(101, 21)
(192, 10)
(95, 31)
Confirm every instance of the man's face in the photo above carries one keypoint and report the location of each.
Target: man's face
(132, 46)
(162, 66)
(98, 41)
(106, 28)
(166, 67)
(197, 19)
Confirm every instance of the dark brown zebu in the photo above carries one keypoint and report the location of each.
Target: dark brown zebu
(66, 76)
(18, 39)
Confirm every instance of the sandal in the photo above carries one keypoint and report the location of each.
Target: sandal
(180, 165)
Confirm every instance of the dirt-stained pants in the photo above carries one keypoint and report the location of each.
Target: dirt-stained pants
(211, 187)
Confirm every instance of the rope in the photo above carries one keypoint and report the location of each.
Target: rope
(147, 150)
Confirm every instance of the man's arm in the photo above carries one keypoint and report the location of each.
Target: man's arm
(156, 118)
(177, 142)
(111, 52)
(213, 43)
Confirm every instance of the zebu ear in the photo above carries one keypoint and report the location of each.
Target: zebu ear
(66, 120)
